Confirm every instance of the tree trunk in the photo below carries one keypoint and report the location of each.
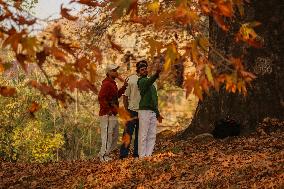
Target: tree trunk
(266, 95)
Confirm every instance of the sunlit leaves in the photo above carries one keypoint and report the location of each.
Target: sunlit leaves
(189, 83)
(240, 5)
(209, 74)
(114, 46)
(184, 15)
(97, 54)
(13, 39)
(91, 3)
(154, 6)
(123, 6)
(248, 35)
(65, 14)
(171, 56)
(71, 82)
(155, 46)
(203, 43)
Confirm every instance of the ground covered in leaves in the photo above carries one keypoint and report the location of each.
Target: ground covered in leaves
(255, 161)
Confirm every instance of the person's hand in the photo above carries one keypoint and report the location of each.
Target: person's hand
(160, 119)
(125, 84)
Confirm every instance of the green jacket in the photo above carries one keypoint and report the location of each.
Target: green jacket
(148, 92)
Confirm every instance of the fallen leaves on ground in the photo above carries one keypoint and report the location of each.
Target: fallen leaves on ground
(254, 161)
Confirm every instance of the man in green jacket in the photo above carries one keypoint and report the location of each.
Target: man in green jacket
(148, 110)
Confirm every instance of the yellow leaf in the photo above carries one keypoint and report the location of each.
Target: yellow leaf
(171, 56)
(209, 74)
(154, 6)
(203, 43)
(194, 52)
(155, 46)
(197, 90)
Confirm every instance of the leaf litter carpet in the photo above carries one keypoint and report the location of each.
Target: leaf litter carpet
(255, 161)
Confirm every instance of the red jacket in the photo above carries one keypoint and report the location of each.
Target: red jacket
(108, 97)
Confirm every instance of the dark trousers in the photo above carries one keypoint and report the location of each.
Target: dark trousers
(129, 129)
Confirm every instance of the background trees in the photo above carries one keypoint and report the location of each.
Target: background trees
(64, 62)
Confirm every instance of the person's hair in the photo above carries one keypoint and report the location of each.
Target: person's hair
(141, 64)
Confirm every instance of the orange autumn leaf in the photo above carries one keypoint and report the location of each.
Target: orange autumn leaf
(198, 90)
(220, 21)
(2, 69)
(114, 46)
(225, 8)
(189, 84)
(126, 139)
(65, 14)
(34, 107)
(123, 114)
(7, 91)
(98, 54)
(92, 3)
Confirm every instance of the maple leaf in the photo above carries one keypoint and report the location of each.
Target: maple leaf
(220, 21)
(41, 57)
(124, 115)
(119, 6)
(198, 90)
(21, 59)
(92, 3)
(154, 6)
(13, 39)
(98, 54)
(29, 45)
(225, 8)
(2, 69)
(85, 85)
(189, 84)
(240, 5)
(171, 56)
(82, 64)
(155, 46)
(184, 15)
(203, 43)
(34, 107)
(209, 74)
(194, 51)
(22, 20)
(93, 73)
(114, 45)
(247, 34)
(57, 53)
(126, 139)
(7, 91)
(64, 13)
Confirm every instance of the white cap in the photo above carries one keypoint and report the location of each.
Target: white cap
(110, 67)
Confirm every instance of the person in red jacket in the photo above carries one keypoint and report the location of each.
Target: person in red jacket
(108, 100)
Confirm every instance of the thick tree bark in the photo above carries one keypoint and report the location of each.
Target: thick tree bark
(266, 96)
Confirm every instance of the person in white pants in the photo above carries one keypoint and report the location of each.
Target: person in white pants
(109, 135)
(108, 99)
(148, 110)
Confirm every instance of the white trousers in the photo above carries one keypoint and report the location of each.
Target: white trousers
(147, 132)
(109, 134)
